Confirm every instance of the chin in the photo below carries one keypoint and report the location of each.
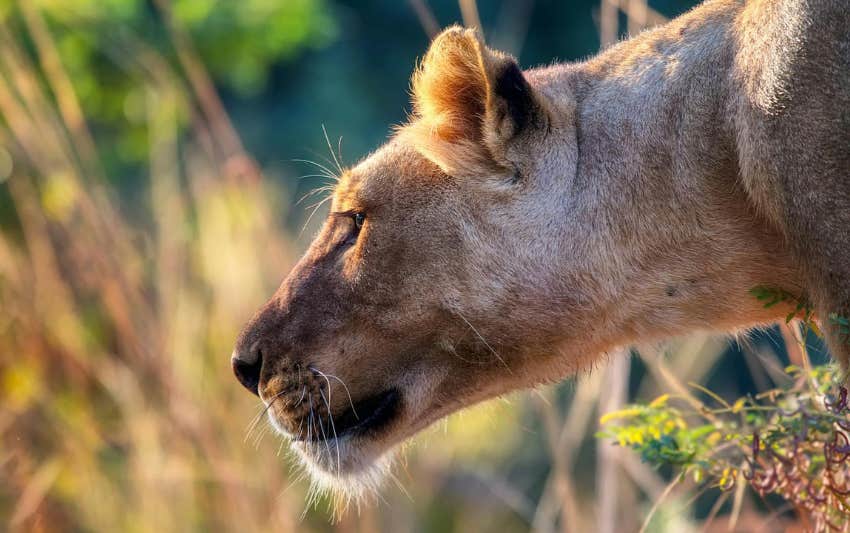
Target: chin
(350, 455)
(346, 468)
(352, 459)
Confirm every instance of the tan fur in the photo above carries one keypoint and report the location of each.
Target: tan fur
(460, 123)
(523, 224)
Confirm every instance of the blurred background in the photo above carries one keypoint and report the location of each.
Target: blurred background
(150, 162)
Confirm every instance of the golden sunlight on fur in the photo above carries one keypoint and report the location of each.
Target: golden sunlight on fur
(450, 87)
(524, 223)
(459, 119)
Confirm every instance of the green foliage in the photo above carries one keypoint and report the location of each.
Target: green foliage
(118, 52)
(772, 296)
(791, 442)
(240, 40)
(803, 310)
(841, 325)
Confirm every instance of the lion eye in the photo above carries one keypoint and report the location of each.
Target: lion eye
(359, 219)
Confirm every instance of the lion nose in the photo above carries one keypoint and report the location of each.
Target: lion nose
(247, 365)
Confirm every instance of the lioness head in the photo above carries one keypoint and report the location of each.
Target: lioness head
(430, 285)
(458, 263)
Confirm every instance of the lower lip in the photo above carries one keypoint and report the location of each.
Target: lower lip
(382, 409)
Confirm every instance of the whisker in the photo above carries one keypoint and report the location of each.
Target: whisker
(328, 141)
(314, 192)
(303, 392)
(341, 382)
(499, 357)
(451, 349)
(313, 212)
(333, 428)
(339, 148)
(310, 423)
(324, 159)
(305, 176)
(322, 426)
(256, 420)
(329, 172)
(324, 165)
(318, 204)
(399, 485)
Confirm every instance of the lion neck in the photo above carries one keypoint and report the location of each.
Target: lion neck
(658, 234)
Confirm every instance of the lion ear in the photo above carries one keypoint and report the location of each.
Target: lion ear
(470, 102)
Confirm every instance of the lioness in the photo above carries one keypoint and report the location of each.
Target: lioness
(525, 222)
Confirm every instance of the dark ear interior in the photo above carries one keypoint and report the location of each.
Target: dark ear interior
(515, 94)
(470, 102)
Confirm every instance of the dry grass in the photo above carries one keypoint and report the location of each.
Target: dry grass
(118, 410)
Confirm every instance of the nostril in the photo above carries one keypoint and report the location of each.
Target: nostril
(247, 369)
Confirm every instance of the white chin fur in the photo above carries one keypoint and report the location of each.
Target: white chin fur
(340, 468)
(350, 474)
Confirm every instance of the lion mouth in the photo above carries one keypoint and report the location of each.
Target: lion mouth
(366, 416)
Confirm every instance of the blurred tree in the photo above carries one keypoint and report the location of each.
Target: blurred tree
(110, 47)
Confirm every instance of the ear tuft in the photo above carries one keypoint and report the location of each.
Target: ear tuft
(469, 102)
(449, 91)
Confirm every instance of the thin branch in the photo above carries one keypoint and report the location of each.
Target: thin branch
(469, 12)
(426, 17)
(659, 501)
